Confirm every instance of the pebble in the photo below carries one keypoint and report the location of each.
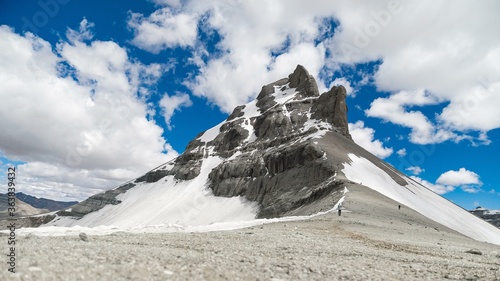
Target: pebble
(474, 252)
(83, 236)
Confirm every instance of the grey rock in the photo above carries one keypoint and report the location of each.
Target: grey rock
(276, 178)
(272, 124)
(83, 236)
(96, 202)
(34, 221)
(265, 100)
(474, 252)
(231, 136)
(487, 215)
(331, 107)
(237, 112)
(304, 82)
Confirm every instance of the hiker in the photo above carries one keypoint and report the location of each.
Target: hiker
(399, 207)
(340, 211)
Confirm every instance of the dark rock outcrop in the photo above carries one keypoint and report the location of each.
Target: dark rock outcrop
(304, 82)
(279, 179)
(32, 221)
(96, 202)
(491, 216)
(331, 107)
(237, 112)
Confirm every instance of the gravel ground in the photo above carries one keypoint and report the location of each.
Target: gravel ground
(372, 240)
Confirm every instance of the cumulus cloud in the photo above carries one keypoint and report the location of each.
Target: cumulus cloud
(438, 188)
(258, 43)
(422, 46)
(164, 29)
(169, 104)
(394, 109)
(416, 170)
(226, 83)
(467, 180)
(75, 115)
(83, 33)
(364, 137)
(401, 152)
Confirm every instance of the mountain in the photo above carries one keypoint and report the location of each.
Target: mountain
(43, 203)
(22, 208)
(289, 152)
(491, 216)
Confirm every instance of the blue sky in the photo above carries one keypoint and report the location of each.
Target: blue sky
(98, 92)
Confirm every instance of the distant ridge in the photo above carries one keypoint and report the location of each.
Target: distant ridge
(43, 203)
(491, 216)
(21, 208)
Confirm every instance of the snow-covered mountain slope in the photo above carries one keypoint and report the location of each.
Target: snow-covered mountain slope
(289, 152)
(420, 199)
(168, 202)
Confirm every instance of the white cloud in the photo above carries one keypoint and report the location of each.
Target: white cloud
(467, 180)
(227, 82)
(401, 152)
(416, 170)
(251, 31)
(394, 109)
(164, 29)
(74, 115)
(172, 3)
(440, 47)
(84, 32)
(364, 137)
(494, 192)
(169, 104)
(438, 188)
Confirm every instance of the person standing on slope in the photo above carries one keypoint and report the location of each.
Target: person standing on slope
(339, 209)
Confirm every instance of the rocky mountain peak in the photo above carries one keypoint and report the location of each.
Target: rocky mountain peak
(268, 148)
(332, 108)
(304, 82)
(265, 141)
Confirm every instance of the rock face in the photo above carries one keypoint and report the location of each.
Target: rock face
(331, 107)
(96, 202)
(280, 166)
(491, 216)
(268, 147)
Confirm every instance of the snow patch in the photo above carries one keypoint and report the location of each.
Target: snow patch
(164, 227)
(420, 199)
(169, 201)
(212, 133)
